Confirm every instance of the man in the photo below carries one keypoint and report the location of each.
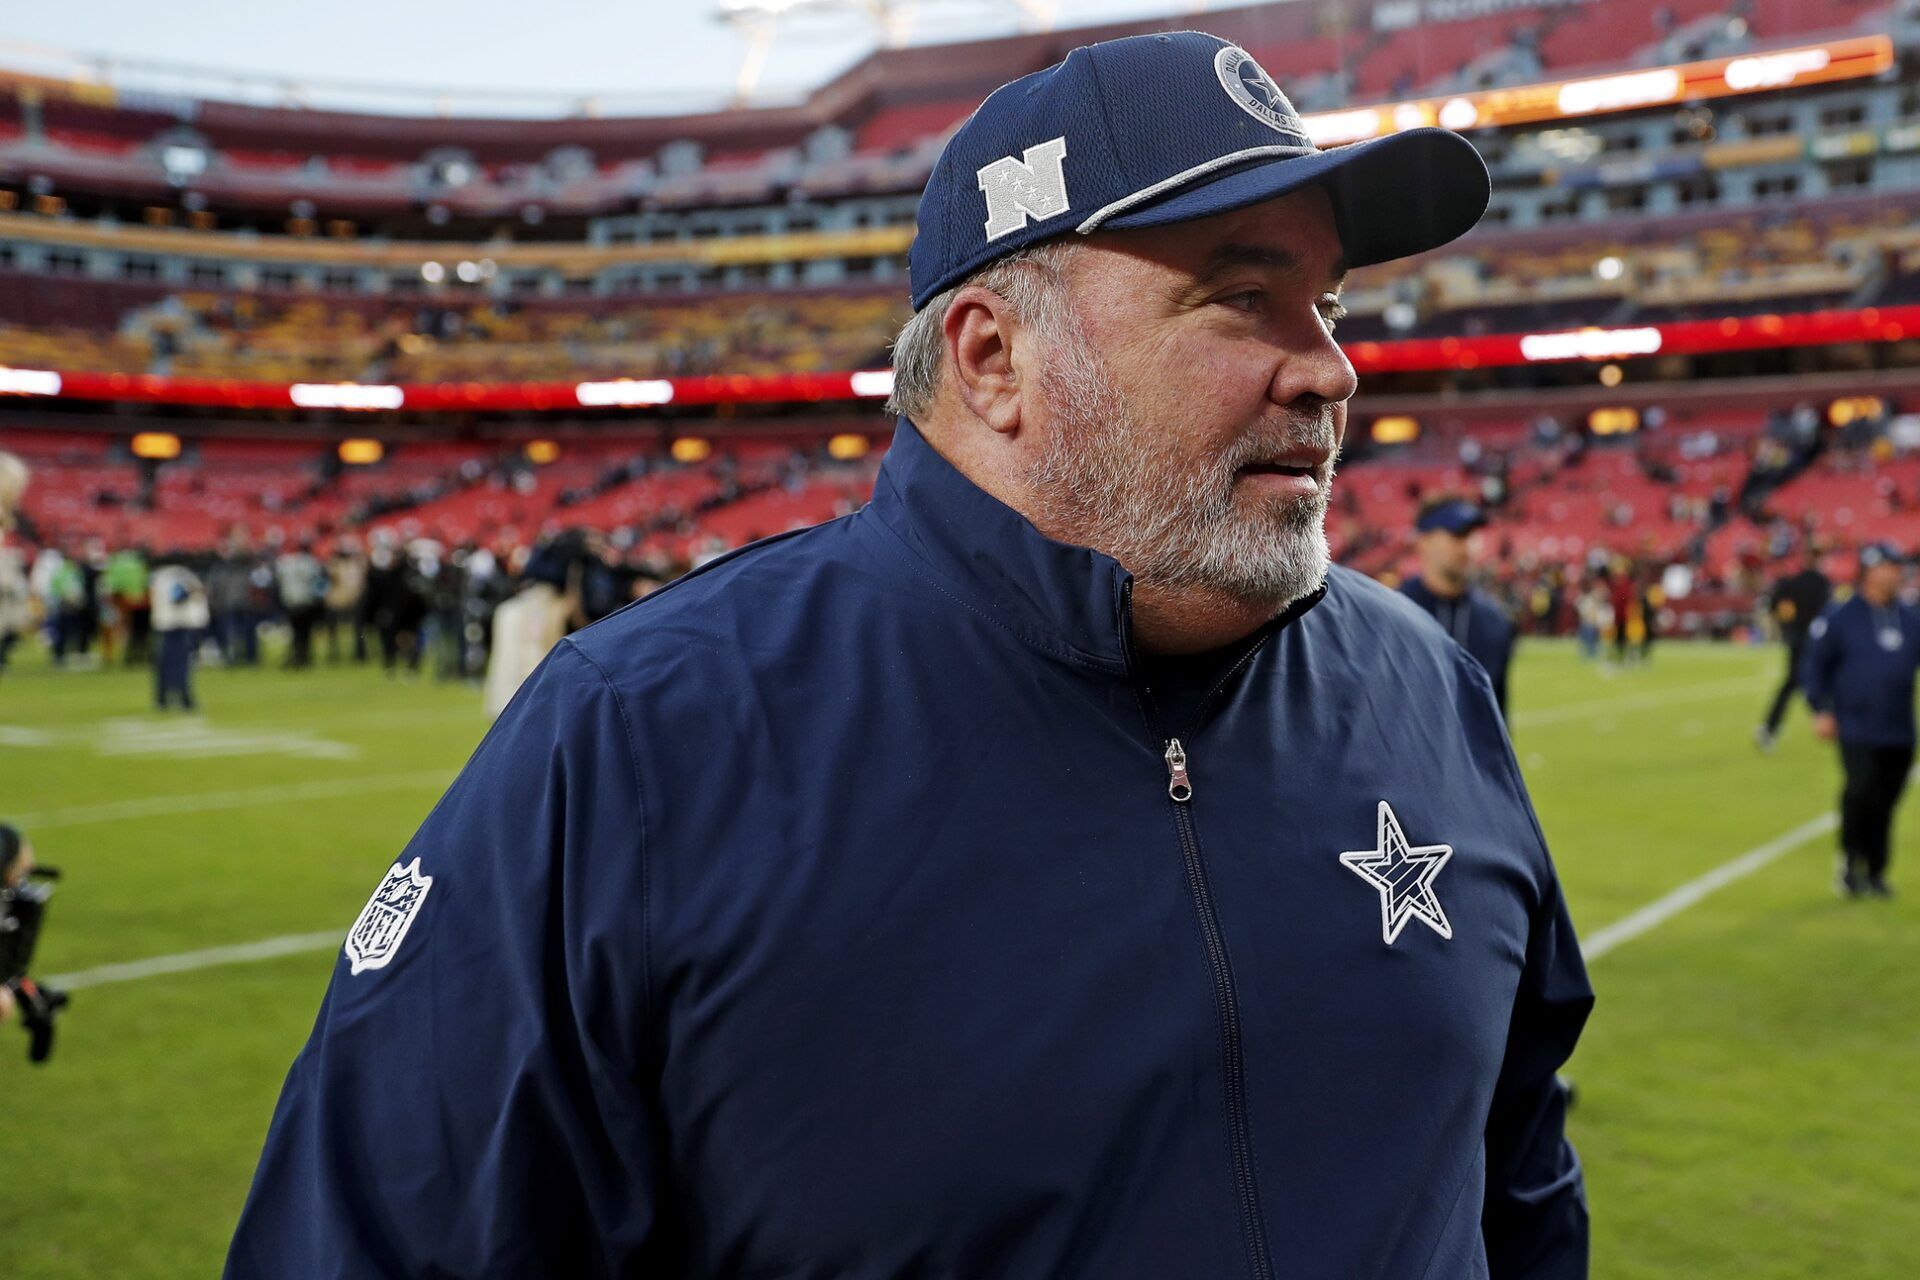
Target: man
(346, 584)
(1796, 600)
(301, 584)
(181, 616)
(1446, 527)
(1046, 871)
(16, 595)
(1859, 676)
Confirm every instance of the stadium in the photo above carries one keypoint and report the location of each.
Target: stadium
(425, 360)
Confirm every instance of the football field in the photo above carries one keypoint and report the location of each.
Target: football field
(1748, 1090)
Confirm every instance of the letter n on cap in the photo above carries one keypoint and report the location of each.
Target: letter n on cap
(1034, 187)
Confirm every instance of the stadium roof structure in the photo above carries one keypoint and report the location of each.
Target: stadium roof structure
(1295, 39)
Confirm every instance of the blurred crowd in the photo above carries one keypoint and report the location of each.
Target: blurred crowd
(413, 606)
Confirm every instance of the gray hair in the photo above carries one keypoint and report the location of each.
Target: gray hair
(920, 351)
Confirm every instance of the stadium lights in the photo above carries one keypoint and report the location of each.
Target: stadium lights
(848, 446)
(1611, 375)
(1398, 355)
(345, 395)
(155, 446)
(541, 452)
(624, 392)
(690, 449)
(361, 453)
(1397, 429)
(1626, 91)
(1850, 409)
(432, 272)
(1590, 344)
(1617, 421)
(1609, 268)
(29, 382)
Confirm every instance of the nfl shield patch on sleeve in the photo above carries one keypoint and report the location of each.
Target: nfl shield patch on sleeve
(384, 921)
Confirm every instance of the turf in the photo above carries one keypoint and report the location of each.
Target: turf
(1746, 1089)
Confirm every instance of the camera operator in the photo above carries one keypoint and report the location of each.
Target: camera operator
(22, 906)
(16, 861)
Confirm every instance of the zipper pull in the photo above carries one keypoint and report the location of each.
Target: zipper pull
(1179, 785)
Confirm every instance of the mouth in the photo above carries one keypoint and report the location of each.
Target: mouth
(1303, 473)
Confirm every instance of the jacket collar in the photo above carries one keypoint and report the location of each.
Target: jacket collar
(1071, 601)
(1066, 599)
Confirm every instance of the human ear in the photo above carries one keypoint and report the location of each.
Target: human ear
(980, 330)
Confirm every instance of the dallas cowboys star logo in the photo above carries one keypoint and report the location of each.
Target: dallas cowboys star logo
(1404, 876)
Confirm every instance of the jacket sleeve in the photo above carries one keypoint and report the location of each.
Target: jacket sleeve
(1535, 1216)
(475, 1100)
(1819, 663)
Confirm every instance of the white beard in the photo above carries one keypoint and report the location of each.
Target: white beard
(1113, 485)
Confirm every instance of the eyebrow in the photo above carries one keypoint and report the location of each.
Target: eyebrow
(1233, 256)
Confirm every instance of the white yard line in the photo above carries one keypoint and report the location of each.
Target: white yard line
(187, 961)
(208, 801)
(1660, 910)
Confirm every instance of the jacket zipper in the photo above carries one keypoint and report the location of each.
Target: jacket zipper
(1226, 1001)
(1227, 1004)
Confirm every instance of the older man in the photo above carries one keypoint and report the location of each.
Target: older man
(1048, 871)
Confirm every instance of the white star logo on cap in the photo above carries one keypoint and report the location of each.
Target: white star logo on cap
(1404, 875)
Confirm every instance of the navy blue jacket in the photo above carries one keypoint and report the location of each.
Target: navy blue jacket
(829, 914)
(1476, 624)
(1859, 664)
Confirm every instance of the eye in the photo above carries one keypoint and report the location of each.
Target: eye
(1245, 300)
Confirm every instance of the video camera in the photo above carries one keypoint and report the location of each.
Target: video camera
(22, 908)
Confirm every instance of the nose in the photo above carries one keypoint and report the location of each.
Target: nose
(1313, 370)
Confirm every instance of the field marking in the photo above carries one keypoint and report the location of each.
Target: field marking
(1527, 719)
(187, 961)
(1662, 909)
(208, 801)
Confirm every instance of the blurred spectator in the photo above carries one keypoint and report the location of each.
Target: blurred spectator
(231, 595)
(127, 590)
(1795, 601)
(395, 605)
(181, 616)
(346, 587)
(302, 584)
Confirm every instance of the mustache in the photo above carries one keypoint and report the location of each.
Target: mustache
(1296, 430)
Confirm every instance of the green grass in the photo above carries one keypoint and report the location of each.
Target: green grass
(1747, 1086)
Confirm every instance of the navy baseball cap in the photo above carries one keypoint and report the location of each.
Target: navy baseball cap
(1458, 517)
(1879, 553)
(1156, 129)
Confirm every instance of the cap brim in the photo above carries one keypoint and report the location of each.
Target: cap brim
(1392, 197)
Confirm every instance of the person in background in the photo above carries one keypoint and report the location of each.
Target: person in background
(16, 596)
(181, 615)
(301, 583)
(127, 590)
(1478, 625)
(67, 606)
(230, 595)
(395, 605)
(346, 586)
(1858, 673)
(1795, 601)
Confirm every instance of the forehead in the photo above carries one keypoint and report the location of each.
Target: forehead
(1294, 234)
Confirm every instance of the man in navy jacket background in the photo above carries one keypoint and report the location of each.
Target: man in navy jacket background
(1859, 671)
(1463, 611)
(1053, 869)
